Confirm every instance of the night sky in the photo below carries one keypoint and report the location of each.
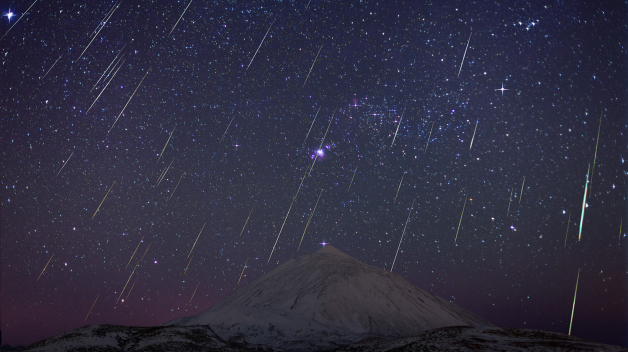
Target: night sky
(210, 115)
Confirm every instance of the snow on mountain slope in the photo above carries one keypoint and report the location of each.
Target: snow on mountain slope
(328, 296)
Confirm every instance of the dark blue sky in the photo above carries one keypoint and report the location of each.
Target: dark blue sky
(236, 139)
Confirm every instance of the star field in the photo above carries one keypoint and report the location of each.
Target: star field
(208, 116)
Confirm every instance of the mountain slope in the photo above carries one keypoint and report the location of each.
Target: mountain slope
(328, 296)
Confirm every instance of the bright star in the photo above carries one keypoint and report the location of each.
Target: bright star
(9, 15)
(323, 243)
(502, 89)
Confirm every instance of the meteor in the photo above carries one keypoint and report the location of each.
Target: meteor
(223, 135)
(521, 193)
(584, 203)
(567, 229)
(199, 235)
(260, 44)
(53, 65)
(309, 219)
(284, 222)
(96, 35)
(247, 221)
(103, 200)
(194, 292)
(163, 174)
(175, 189)
(107, 69)
(398, 188)
(129, 279)
(510, 201)
(186, 8)
(308, 74)
(18, 20)
(574, 301)
(106, 85)
(68, 159)
(308, 131)
(186, 268)
(399, 124)
(128, 293)
(168, 141)
(465, 54)
(476, 128)
(247, 260)
(404, 231)
(42, 272)
(428, 138)
(596, 143)
(350, 183)
(90, 310)
(127, 103)
(460, 222)
(138, 246)
(322, 141)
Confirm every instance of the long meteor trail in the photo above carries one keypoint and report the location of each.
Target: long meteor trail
(404, 231)
(105, 88)
(68, 159)
(309, 219)
(465, 54)
(584, 204)
(180, 17)
(127, 103)
(574, 301)
(393, 142)
(247, 220)
(428, 138)
(96, 35)
(308, 74)
(284, 222)
(460, 222)
(53, 65)
(308, 131)
(162, 151)
(103, 200)
(260, 44)
(476, 128)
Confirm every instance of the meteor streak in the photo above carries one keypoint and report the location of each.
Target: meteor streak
(284, 222)
(199, 235)
(596, 143)
(186, 8)
(399, 124)
(194, 292)
(127, 103)
(308, 131)
(460, 222)
(138, 246)
(42, 272)
(428, 138)
(510, 201)
(584, 203)
(18, 20)
(574, 301)
(465, 54)
(476, 128)
(90, 310)
(53, 65)
(567, 229)
(175, 189)
(260, 45)
(129, 279)
(106, 85)
(308, 74)
(107, 69)
(68, 159)
(247, 260)
(168, 141)
(186, 268)
(398, 188)
(247, 221)
(128, 293)
(309, 219)
(404, 231)
(96, 35)
(350, 183)
(223, 135)
(163, 174)
(521, 193)
(103, 200)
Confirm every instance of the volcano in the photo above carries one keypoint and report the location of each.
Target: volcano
(325, 300)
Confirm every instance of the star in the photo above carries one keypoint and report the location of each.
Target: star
(9, 15)
(323, 243)
(502, 89)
